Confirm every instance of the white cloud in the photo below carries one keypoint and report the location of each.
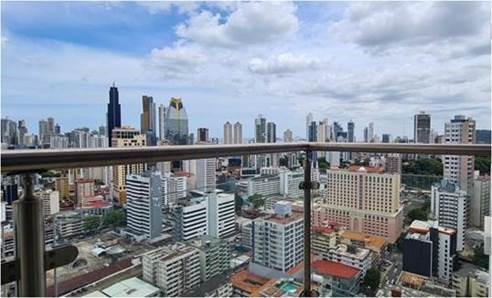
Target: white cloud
(154, 7)
(284, 63)
(251, 23)
(388, 24)
(178, 59)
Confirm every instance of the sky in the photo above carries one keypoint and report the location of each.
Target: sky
(378, 62)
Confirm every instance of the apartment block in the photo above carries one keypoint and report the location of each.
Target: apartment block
(191, 218)
(215, 256)
(174, 269)
(222, 215)
(278, 238)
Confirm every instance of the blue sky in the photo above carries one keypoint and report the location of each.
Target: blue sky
(380, 62)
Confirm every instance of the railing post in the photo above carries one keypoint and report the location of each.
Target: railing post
(307, 224)
(29, 240)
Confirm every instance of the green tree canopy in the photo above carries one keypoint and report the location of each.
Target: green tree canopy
(114, 218)
(238, 203)
(417, 214)
(479, 258)
(426, 166)
(92, 223)
(372, 279)
(257, 200)
(482, 164)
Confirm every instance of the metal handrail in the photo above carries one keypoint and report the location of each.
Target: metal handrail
(47, 159)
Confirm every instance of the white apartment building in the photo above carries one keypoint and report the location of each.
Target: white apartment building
(228, 133)
(460, 130)
(449, 205)
(356, 257)
(144, 210)
(222, 215)
(264, 185)
(68, 224)
(173, 189)
(278, 238)
(191, 219)
(174, 269)
(289, 183)
(51, 202)
(363, 199)
(238, 133)
(246, 232)
(205, 175)
(480, 200)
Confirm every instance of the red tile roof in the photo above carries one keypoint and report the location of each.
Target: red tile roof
(334, 269)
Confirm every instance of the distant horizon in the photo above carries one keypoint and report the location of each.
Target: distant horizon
(338, 60)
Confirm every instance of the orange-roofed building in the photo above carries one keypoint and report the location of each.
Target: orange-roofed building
(247, 284)
(374, 243)
(336, 279)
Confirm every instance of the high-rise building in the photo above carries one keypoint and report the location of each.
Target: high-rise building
(51, 126)
(430, 250)
(113, 114)
(392, 163)
(321, 133)
(43, 133)
(191, 219)
(175, 269)
(278, 241)
(480, 200)
(148, 120)
(288, 136)
(57, 129)
(228, 133)
(174, 188)
(125, 137)
(62, 186)
(162, 121)
(205, 174)
(238, 133)
(337, 130)
(271, 132)
(51, 202)
(460, 130)
(450, 207)
(386, 138)
(364, 199)
(366, 135)
(370, 132)
(260, 129)
(483, 136)
(309, 119)
(222, 215)
(144, 210)
(215, 256)
(422, 128)
(176, 123)
(313, 132)
(202, 135)
(350, 130)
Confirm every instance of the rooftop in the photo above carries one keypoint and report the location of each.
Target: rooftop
(370, 170)
(294, 216)
(370, 241)
(132, 287)
(334, 269)
(247, 281)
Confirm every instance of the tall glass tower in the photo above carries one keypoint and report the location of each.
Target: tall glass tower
(176, 122)
(114, 113)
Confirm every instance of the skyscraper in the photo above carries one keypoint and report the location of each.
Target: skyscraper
(288, 136)
(202, 135)
(271, 132)
(460, 130)
(366, 135)
(313, 132)
(337, 130)
(162, 119)
(147, 120)
(370, 132)
(176, 123)
(205, 174)
(422, 128)
(43, 132)
(260, 129)
(51, 126)
(114, 113)
(227, 133)
(309, 119)
(350, 130)
(238, 133)
(386, 138)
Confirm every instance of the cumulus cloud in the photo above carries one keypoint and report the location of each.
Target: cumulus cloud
(284, 63)
(380, 25)
(251, 23)
(178, 59)
(154, 7)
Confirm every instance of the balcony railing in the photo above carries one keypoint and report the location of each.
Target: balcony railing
(30, 254)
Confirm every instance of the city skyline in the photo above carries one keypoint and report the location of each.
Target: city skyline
(275, 73)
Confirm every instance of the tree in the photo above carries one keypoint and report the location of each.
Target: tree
(238, 204)
(372, 279)
(482, 164)
(426, 166)
(322, 163)
(257, 200)
(417, 214)
(92, 223)
(283, 161)
(114, 218)
(479, 258)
